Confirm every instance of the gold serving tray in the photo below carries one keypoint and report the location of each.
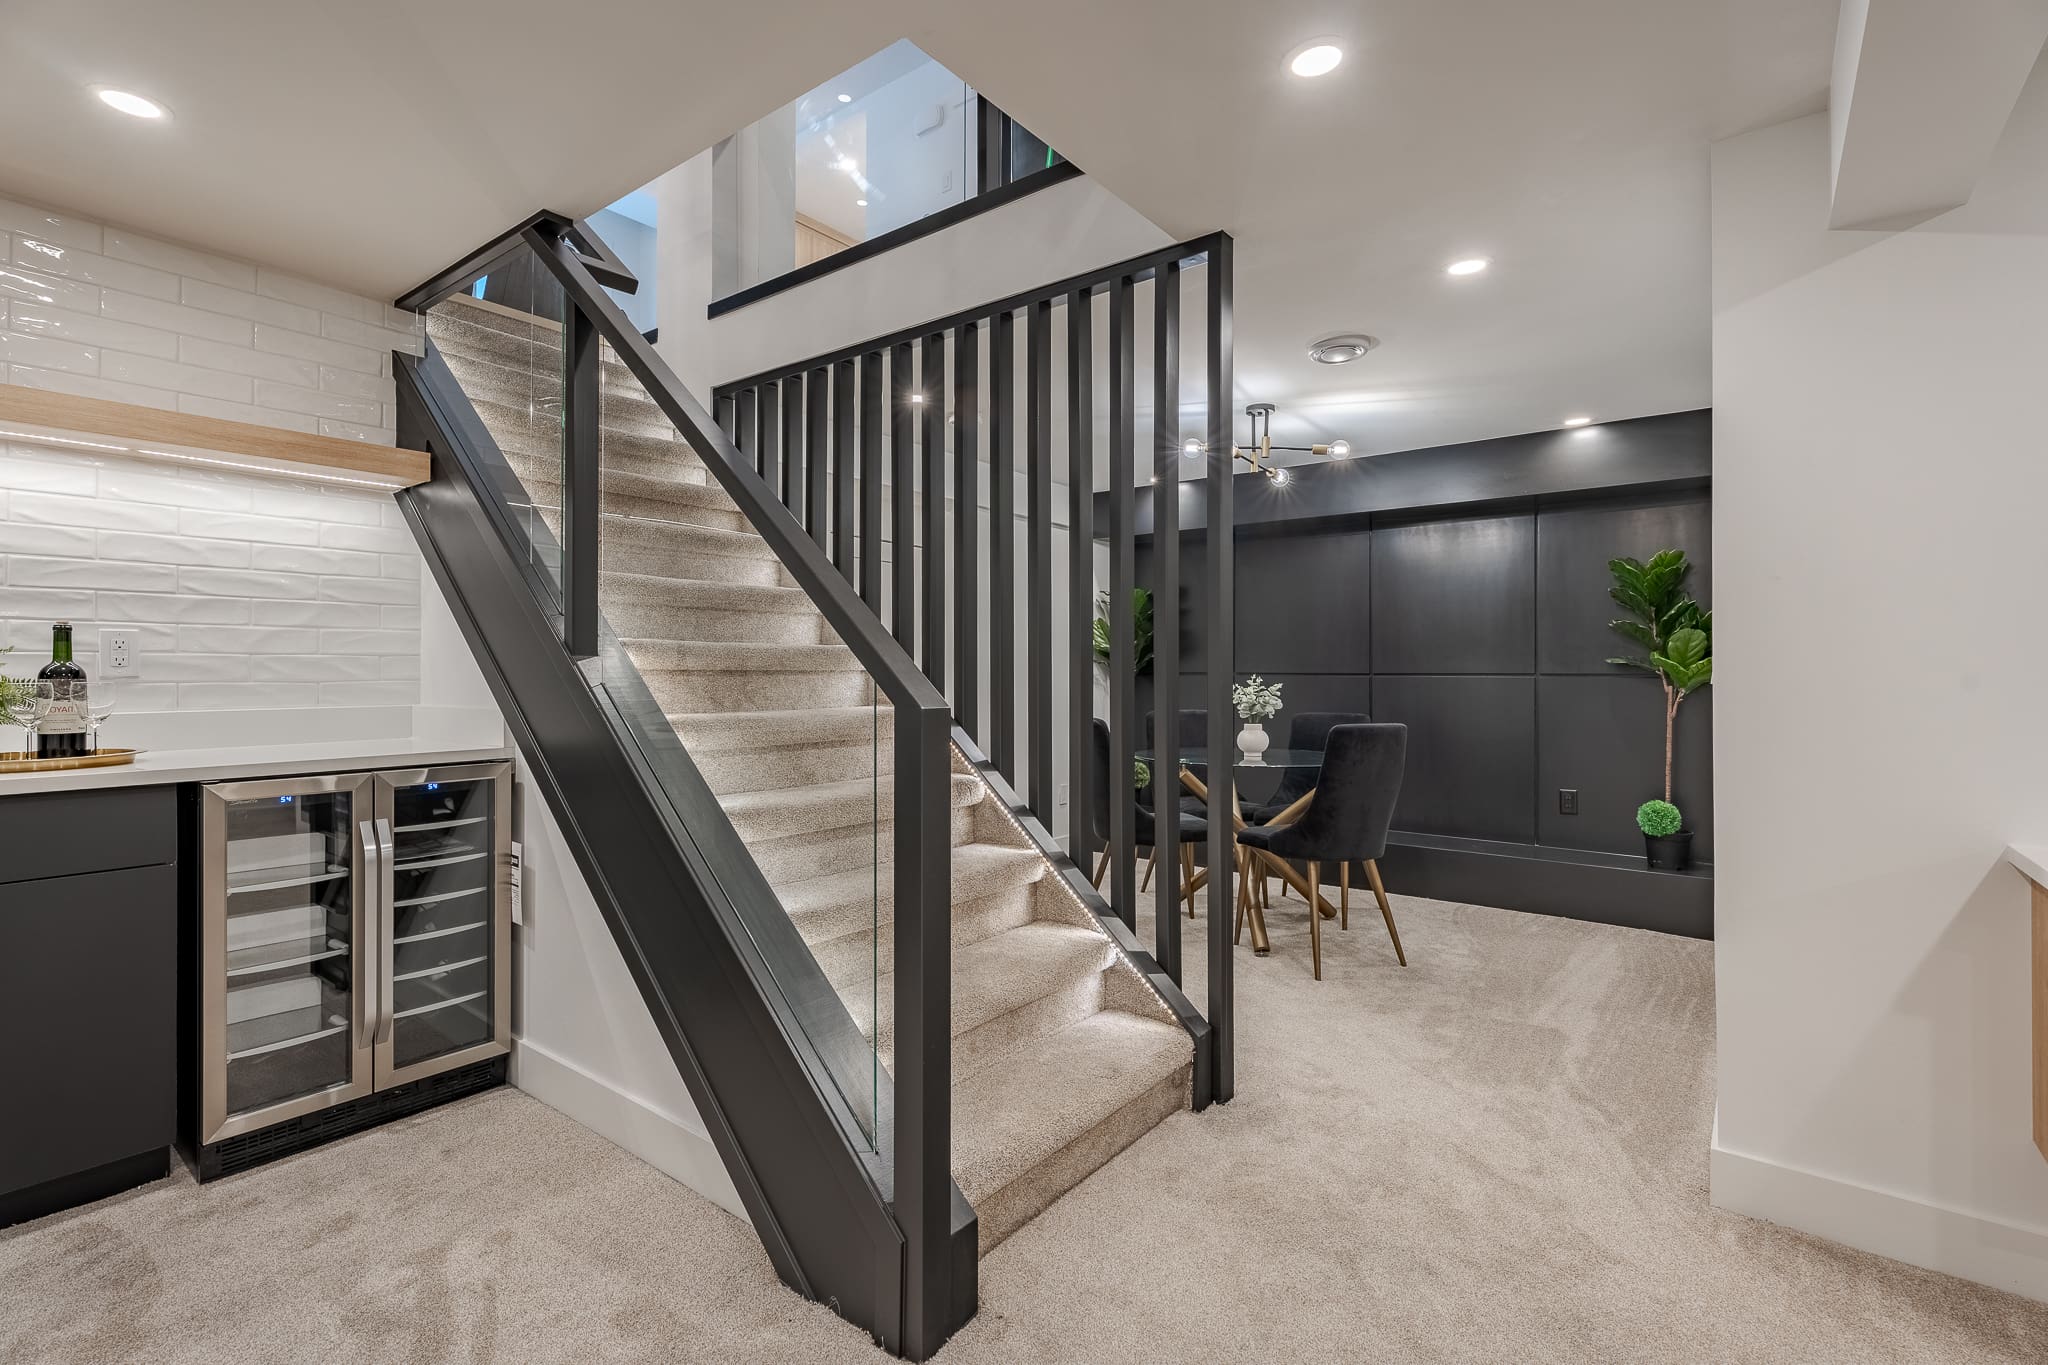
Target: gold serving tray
(17, 761)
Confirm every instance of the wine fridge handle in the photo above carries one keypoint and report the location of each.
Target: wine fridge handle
(368, 1011)
(387, 927)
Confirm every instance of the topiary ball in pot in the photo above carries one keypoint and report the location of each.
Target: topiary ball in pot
(1667, 844)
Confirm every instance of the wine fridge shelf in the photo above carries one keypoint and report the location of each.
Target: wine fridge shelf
(278, 878)
(290, 953)
(275, 1032)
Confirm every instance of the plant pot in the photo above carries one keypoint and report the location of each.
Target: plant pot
(1669, 852)
(1252, 741)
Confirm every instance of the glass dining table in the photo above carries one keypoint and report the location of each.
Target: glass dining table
(1194, 761)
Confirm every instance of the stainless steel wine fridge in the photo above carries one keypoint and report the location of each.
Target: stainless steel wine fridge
(354, 953)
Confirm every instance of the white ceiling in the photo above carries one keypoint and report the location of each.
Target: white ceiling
(369, 144)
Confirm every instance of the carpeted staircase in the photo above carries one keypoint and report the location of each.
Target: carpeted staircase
(1062, 1055)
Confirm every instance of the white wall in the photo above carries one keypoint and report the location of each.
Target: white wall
(1879, 729)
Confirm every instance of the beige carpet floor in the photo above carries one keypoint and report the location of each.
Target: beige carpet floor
(1498, 1153)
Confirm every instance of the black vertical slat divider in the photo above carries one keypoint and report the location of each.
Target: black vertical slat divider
(932, 382)
(743, 421)
(903, 498)
(768, 437)
(1002, 547)
(1123, 438)
(966, 540)
(1219, 602)
(727, 415)
(818, 411)
(872, 397)
(1080, 569)
(845, 463)
(1166, 786)
(1038, 559)
(791, 493)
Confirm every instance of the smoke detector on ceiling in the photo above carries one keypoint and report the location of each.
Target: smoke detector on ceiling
(1341, 350)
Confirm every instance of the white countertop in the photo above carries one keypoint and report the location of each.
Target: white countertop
(2031, 859)
(153, 767)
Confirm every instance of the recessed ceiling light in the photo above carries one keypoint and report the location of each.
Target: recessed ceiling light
(860, 203)
(1341, 350)
(133, 105)
(1578, 421)
(846, 163)
(1316, 57)
(846, 99)
(1471, 265)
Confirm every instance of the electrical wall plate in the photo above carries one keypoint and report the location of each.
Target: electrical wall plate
(117, 654)
(1567, 800)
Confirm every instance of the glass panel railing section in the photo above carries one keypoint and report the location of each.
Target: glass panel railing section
(738, 691)
(501, 334)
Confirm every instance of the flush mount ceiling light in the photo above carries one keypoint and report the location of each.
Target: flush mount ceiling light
(135, 106)
(1471, 265)
(1578, 421)
(1341, 350)
(847, 164)
(1316, 57)
(846, 99)
(860, 203)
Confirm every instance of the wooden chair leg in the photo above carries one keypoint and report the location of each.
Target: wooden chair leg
(1151, 859)
(1187, 866)
(1244, 891)
(1344, 894)
(1315, 921)
(1101, 866)
(1372, 873)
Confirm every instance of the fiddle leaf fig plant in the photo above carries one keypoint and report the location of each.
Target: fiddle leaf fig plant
(1676, 633)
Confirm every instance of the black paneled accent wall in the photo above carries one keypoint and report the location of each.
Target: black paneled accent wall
(1483, 628)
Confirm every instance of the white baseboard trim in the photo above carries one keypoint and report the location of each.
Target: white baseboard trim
(1967, 1245)
(662, 1140)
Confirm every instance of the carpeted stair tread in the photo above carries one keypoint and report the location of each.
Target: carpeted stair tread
(739, 656)
(786, 812)
(850, 902)
(709, 732)
(703, 593)
(997, 975)
(681, 537)
(1010, 1117)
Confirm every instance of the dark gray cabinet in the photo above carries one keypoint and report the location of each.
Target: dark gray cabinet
(88, 995)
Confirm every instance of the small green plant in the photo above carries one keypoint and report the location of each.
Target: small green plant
(1676, 632)
(15, 696)
(1141, 630)
(1658, 818)
(1141, 775)
(1256, 699)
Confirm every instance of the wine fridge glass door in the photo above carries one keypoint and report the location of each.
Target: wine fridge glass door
(286, 1026)
(446, 963)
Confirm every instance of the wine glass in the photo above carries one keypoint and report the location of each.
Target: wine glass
(99, 705)
(42, 696)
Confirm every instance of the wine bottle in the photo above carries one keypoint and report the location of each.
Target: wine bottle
(61, 732)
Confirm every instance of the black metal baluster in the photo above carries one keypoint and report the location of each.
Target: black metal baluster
(768, 439)
(743, 423)
(1123, 440)
(1080, 569)
(791, 494)
(1219, 603)
(1166, 786)
(1002, 547)
(932, 383)
(903, 499)
(845, 462)
(728, 418)
(872, 461)
(817, 406)
(1038, 559)
(966, 541)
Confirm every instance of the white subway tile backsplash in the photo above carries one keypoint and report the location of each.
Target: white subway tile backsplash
(315, 668)
(377, 539)
(75, 541)
(356, 431)
(317, 297)
(261, 416)
(354, 509)
(243, 304)
(400, 666)
(246, 696)
(144, 696)
(179, 260)
(57, 509)
(401, 618)
(336, 615)
(30, 571)
(88, 386)
(242, 360)
(52, 604)
(369, 642)
(89, 329)
(33, 286)
(376, 336)
(189, 487)
(217, 554)
(247, 583)
(353, 384)
(402, 566)
(87, 267)
(184, 668)
(170, 607)
(304, 559)
(387, 591)
(369, 693)
(171, 374)
(338, 406)
(48, 226)
(284, 341)
(44, 471)
(48, 353)
(196, 521)
(175, 318)
(247, 640)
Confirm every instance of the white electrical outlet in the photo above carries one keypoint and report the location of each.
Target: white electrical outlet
(1063, 794)
(117, 654)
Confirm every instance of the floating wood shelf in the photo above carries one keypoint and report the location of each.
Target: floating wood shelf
(2032, 863)
(71, 422)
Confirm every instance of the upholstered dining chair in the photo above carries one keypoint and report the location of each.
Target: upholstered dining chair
(1193, 828)
(1346, 823)
(1308, 730)
(1194, 734)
